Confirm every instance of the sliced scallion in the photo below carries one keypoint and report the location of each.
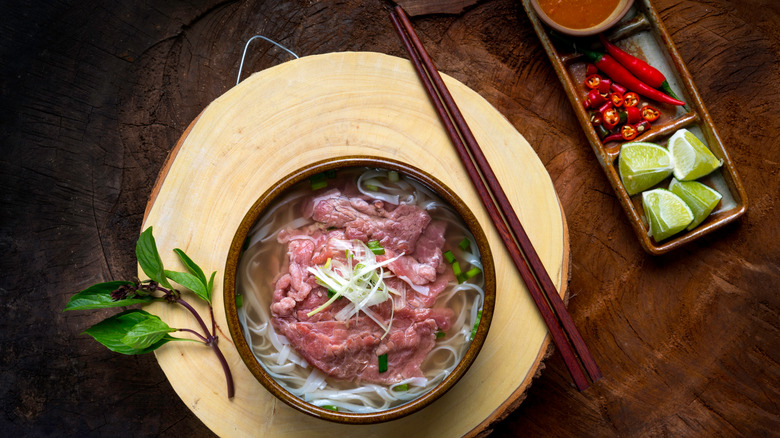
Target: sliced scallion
(464, 244)
(456, 269)
(449, 256)
(476, 325)
(318, 181)
(393, 176)
(331, 407)
(401, 387)
(473, 272)
(372, 188)
(440, 334)
(376, 247)
(383, 363)
(239, 300)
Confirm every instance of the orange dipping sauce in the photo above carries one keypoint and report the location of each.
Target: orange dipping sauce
(578, 14)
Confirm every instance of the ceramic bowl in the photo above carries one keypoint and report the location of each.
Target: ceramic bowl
(611, 19)
(238, 332)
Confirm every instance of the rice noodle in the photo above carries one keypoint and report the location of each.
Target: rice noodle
(393, 191)
(264, 259)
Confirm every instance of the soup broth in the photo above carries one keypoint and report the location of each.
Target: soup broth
(434, 312)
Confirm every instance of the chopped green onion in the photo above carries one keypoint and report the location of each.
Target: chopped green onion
(239, 300)
(383, 363)
(318, 181)
(393, 176)
(372, 188)
(331, 292)
(331, 407)
(456, 269)
(473, 272)
(461, 278)
(401, 387)
(440, 334)
(464, 244)
(449, 256)
(476, 325)
(376, 247)
(330, 173)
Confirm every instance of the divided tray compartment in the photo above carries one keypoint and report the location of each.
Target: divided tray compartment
(642, 34)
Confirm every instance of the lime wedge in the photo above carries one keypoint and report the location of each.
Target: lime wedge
(643, 165)
(700, 198)
(691, 157)
(666, 213)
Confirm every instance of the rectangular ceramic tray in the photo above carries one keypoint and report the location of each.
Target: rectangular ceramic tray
(642, 34)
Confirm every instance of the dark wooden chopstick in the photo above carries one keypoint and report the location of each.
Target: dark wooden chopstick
(562, 329)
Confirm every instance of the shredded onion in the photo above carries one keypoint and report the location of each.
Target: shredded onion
(362, 283)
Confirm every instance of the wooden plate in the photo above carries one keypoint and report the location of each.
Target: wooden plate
(331, 105)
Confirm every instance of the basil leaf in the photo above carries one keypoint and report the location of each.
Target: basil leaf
(210, 286)
(111, 331)
(99, 297)
(149, 258)
(191, 282)
(146, 333)
(191, 266)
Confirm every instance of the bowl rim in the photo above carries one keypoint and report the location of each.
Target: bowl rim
(301, 174)
(608, 22)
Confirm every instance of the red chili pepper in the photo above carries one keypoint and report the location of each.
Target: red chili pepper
(604, 86)
(617, 87)
(590, 69)
(595, 119)
(594, 99)
(642, 70)
(628, 132)
(617, 98)
(630, 99)
(593, 81)
(633, 115)
(610, 117)
(642, 126)
(612, 137)
(618, 73)
(649, 113)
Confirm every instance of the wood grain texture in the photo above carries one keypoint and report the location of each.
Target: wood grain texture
(95, 96)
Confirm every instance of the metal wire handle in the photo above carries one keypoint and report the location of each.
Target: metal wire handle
(246, 46)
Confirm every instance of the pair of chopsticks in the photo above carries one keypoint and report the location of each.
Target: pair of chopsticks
(562, 329)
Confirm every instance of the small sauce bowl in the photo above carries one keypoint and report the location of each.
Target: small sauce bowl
(581, 17)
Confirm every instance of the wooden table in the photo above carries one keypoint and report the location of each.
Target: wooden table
(94, 97)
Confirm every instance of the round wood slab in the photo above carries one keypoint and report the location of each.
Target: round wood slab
(354, 103)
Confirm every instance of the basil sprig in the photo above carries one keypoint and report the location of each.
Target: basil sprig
(137, 331)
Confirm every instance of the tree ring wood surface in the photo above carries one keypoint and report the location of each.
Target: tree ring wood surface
(329, 105)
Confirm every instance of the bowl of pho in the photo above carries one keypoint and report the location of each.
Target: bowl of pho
(359, 289)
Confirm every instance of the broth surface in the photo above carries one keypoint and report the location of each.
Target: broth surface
(265, 262)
